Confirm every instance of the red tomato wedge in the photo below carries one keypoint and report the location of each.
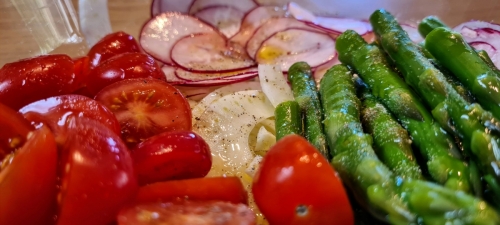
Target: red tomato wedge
(97, 174)
(13, 130)
(187, 213)
(146, 107)
(296, 185)
(229, 189)
(123, 66)
(28, 184)
(55, 111)
(37, 78)
(171, 155)
(111, 45)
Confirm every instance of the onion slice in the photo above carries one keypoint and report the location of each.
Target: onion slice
(226, 125)
(483, 36)
(274, 84)
(209, 52)
(253, 20)
(294, 45)
(268, 29)
(242, 5)
(328, 24)
(159, 35)
(226, 19)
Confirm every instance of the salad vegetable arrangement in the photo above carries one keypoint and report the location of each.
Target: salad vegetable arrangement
(228, 112)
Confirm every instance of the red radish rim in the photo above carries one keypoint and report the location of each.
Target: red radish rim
(207, 71)
(192, 3)
(230, 77)
(214, 83)
(319, 32)
(328, 30)
(482, 42)
(248, 13)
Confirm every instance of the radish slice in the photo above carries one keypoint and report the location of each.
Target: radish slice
(198, 110)
(196, 93)
(160, 6)
(268, 29)
(172, 78)
(293, 45)
(484, 36)
(412, 32)
(209, 52)
(242, 5)
(201, 76)
(159, 35)
(226, 125)
(274, 85)
(328, 24)
(225, 18)
(253, 20)
(321, 70)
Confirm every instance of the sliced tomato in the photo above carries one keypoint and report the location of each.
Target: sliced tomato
(170, 156)
(28, 183)
(229, 189)
(13, 131)
(146, 107)
(111, 45)
(187, 213)
(97, 174)
(296, 185)
(37, 78)
(55, 111)
(123, 66)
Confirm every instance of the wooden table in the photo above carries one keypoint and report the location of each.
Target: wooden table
(128, 15)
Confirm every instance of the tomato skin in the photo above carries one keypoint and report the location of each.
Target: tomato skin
(123, 66)
(229, 189)
(146, 107)
(28, 80)
(13, 130)
(97, 174)
(28, 184)
(55, 111)
(171, 156)
(111, 45)
(294, 173)
(187, 213)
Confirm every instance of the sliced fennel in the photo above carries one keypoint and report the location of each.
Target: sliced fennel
(274, 84)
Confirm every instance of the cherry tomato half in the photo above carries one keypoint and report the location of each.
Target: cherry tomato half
(55, 111)
(296, 185)
(229, 189)
(171, 156)
(37, 78)
(97, 174)
(13, 130)
(123, 66)
(28, 183)
(187, 213)
(146, 107)
(111, 45)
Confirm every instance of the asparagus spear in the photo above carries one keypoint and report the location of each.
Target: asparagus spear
(396, 200)
(288, 119)
(451, 50)
(391, 141)
(428, 24)
(437, 147)
(306, 94)
(472, 123)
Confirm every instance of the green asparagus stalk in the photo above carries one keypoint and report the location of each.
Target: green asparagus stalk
(472, 123)
(391, 141)
(288, 119)
(428, 24)
(486, 58)
(437, 147)
(396, 200)
(353, 156)
(306, 94)
(451, 50)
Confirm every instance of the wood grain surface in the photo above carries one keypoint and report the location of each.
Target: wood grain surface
(20, 36)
